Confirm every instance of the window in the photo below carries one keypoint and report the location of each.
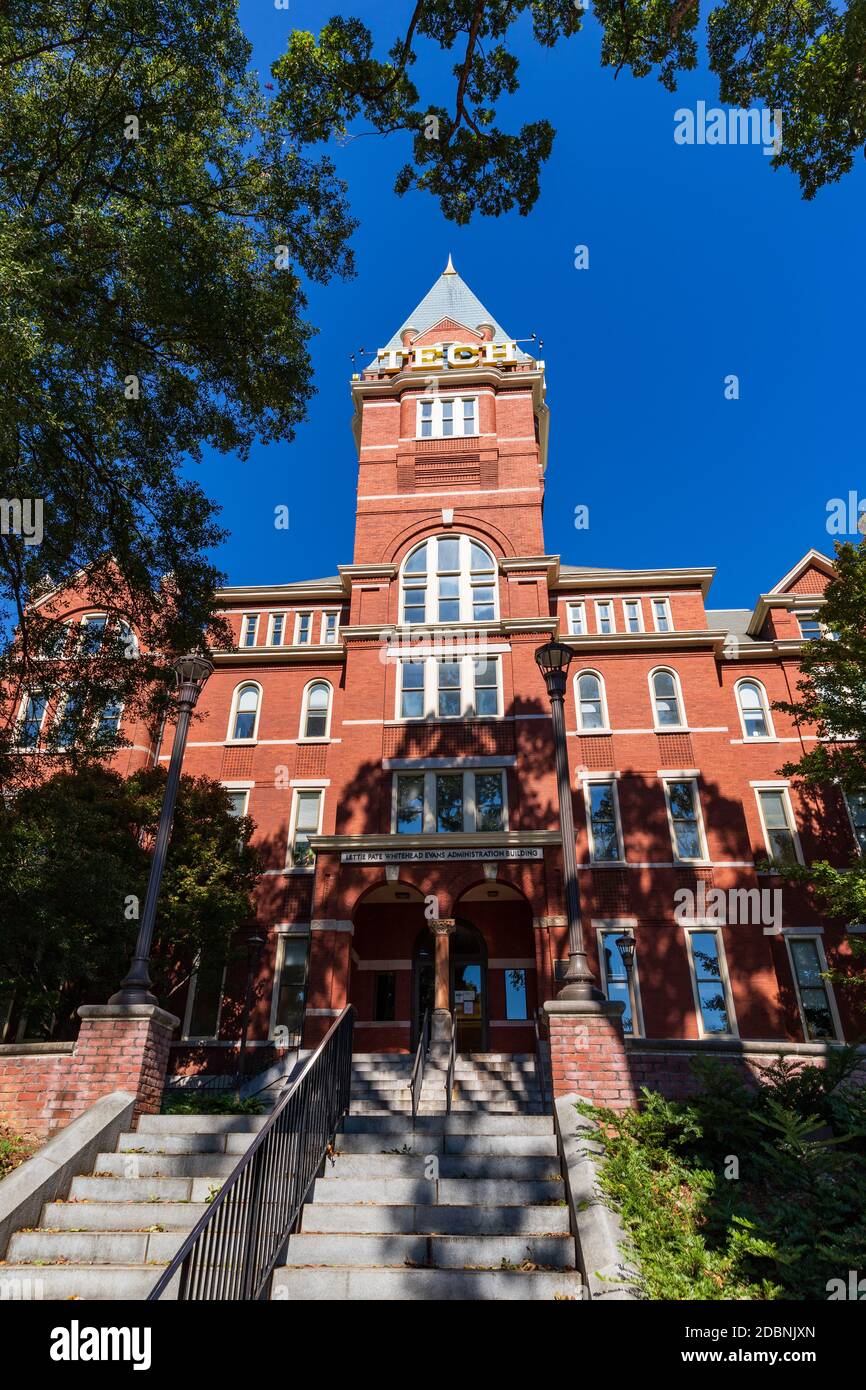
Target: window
(303, 629)
(427, 801)
(662, 615)
(278, 621)
(857, 810)
(632, 615)
(306, 819)
(813, 995)
(602, 814)
(709, 983)
(109, 720)
(780, 835)
(485, 674)
(330, 623)
(237, 798)
(245, 714)
(577, 619)
(754, 714)
(615, 976)
(412, 690)
(443, 417)
(515, 994)
(667, 703)
(591, 709)
(604, 615)
(248, 632)
(317, 710)
(385, 996)
(68, 720)
(290, 987)
(92, 634)
(204, 1003)
(811, 628)
(54, 643)
(460, 687)
(449, 579)
(685, 819)
(30, 721)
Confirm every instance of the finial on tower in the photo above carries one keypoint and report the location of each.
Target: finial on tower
(449, 269)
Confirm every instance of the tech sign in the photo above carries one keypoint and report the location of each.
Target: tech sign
(425, 359)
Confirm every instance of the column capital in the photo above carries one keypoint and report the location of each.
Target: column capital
(443, 926)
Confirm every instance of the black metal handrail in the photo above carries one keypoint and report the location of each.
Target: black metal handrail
(421, 1051)
(452, 1059)
(539, 1059)
(232, 1250)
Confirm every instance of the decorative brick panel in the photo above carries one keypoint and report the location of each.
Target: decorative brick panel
(473, 737)
(448, 472)
(237, 762)
(596, 752)
(675, 750)
(610, 892)
(312, 759)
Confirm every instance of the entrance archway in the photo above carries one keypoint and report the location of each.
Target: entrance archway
(467, 986)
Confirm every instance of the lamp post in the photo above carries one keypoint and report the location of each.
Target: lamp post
(554, 659)
(626, 945)
(254, 950)
(190, 672)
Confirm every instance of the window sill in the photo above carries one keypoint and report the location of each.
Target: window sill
(591, 733)
(240, 742)
(326, 739)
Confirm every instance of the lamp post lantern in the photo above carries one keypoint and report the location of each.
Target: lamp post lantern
(554, 659)
(627, 946)
(191, 673)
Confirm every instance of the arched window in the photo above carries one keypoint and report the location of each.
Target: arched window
(754, 713)
(316, 715)
(244, 721)
(667, 700)
(449, 579)
(590, 701)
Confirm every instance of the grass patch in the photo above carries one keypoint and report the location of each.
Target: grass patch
(14, 1148)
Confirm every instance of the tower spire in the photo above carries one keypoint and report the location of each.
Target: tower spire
(449, 269)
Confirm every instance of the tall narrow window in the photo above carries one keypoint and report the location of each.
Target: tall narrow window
(488, 801)
(590, 702)
(779, 831)
(667, 707)
(753, 710)
(481, 584)
(449, 802)
(470, 415)
(425, 419)
(811, 628)
(485, 671)
(412, 690)
(109, 720)
(857, 807)
(68, 720)
(447, 419)
(577, 619)
(205, 998)
(604, 837)
(410, 803)
(237, 799)
(30, 723)
(515, 994)
(248, 637)
(662, 615)
(330, 623)
(604, 619)
(709, 984)
(448, 683)
(92, 635)
(616, 977)
(303, 629)
(290, 986)
(685, 818)
(317, 709)
(277, 624)
(631, 611)
(308, 805)
(448, 576)
(246, 712)
(415, 586)
(812, 992)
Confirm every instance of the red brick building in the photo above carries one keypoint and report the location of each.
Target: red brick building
(388, 730)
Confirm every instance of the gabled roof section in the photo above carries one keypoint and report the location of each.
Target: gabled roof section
(450, 298)
(813, 559)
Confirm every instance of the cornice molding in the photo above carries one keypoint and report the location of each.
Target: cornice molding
(499, 839)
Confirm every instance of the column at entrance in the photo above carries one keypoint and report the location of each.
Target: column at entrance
(441, 1023)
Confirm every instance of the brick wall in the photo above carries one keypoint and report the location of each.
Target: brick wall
(670, 1071)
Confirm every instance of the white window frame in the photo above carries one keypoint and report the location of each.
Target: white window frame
(470, 810)
(83, 622)
(813, 612)
(282, 642)
(254, 619)
(663, 599)
(683, 725)
(98, 720)
(859, 849)
(612, 927)
(488, 579)
(603, 779)
(323, 633)
(320, 788)
(800, 934)
(784, 788)
(605, 718)
(303, 613)
(240, 788)
(612, 606)
(625, 618)
(431, 687)
(724, 979)
(305, 701)
(578, 606)
(770, 736)
(19, 723)
(233, 710)
(279, 962)
(666, 779)
(457, 402)
(190, 1005)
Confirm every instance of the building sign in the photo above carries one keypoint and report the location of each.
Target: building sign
(438, 355)
(418, 856)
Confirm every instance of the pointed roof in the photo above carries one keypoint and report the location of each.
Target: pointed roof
(449, 298)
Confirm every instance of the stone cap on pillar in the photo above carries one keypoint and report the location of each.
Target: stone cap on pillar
(130, 1011)
(608, 1008)
(443, 926)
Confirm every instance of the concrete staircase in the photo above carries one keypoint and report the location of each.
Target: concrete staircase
(466, 1206)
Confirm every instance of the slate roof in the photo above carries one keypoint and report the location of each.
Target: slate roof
(450, 297)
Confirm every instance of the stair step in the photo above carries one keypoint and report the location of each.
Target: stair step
(436, 1252)
(408, 1285)
(431, 1219)
(199, 1124)
(471, 1165)
(516, 1145)
(216, 1166)
(93, 1189)
(95, 1247)
(450, 1124)
(121, 1216)
(229, 1141)
(457, 1192)
(102, 1282)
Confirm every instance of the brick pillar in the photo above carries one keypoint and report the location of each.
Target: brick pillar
(587, 1051)
(122, 1047)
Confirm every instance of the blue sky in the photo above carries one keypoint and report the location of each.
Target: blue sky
(703, 262)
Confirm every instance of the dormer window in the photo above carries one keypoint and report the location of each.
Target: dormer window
(447, 417)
